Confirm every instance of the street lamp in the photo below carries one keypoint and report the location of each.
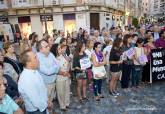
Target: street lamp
(45, 19)
(127, 13)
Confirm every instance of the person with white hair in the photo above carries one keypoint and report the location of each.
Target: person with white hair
(97, 38)
(142, 32)
(155, 33)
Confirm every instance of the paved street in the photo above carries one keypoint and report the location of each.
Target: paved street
(149, 99)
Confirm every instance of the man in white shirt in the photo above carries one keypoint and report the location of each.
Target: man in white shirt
(31, 85)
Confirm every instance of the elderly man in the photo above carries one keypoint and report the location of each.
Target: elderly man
(160, 43)
(48, 67)
(31, 85)
(156, 32)
(141, 33)
(97, 38)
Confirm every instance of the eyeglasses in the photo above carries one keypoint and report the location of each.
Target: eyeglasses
(45, 46)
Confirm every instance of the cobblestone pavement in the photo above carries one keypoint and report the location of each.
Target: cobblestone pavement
(148, 99)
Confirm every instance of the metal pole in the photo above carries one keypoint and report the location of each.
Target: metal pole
(45, 19)
(124, 12)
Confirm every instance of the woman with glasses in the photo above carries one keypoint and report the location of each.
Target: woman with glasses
(63, 82)
(12, 88)
(12, 66)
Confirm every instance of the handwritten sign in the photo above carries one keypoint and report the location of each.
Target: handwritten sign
(143, 59)
(85, 63)
(158, 64)
(129, 53)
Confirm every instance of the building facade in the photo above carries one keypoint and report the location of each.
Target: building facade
(68, 15)
(145, 7)
(157, 10)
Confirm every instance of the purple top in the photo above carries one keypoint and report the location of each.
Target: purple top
(99, 56)
(160, 43)
(149, 48)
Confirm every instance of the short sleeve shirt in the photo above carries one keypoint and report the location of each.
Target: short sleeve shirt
(8, 106)
(115, 56)
(76, 62)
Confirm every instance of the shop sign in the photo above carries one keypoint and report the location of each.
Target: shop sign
(3, 19)
(48, 17)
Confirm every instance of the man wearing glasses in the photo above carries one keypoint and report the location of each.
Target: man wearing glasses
(48, 67)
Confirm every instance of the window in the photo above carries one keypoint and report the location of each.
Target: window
(22, 1)
(54, 2)
(33, 2)
(107, 18)
(1, 1)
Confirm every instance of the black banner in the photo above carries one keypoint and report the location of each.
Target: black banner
(4, 19)
(158, 64)
(24, 19)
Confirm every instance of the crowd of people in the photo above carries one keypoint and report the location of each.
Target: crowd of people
(43, 70)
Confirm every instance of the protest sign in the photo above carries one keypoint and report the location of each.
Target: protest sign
(85, 63)
(157, 64)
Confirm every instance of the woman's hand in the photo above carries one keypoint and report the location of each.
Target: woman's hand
(19, 111)
(50, 104)
(68, 74)
(120, 62)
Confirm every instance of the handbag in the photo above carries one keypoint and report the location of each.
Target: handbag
(99, 72)
(143, 58)
(89, 74)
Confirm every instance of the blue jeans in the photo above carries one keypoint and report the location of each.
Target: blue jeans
(97, 84)
(136, 75)
(126, 74)
(37, 112)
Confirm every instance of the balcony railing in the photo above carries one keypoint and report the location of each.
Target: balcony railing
(67, 2)
(95, 2)
(33, 3)
(39, 3)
